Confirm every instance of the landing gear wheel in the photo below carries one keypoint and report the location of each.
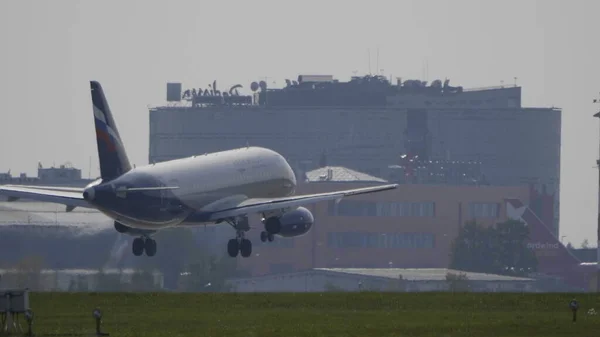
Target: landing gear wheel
(240, 244)
(233, 247)
(246, 248)
(150, 247)
(138, 246)
(264, 236)
(271, 237)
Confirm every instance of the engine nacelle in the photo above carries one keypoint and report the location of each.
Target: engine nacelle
(296, 222)
(119, 227)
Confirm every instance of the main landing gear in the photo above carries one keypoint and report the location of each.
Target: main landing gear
(144, 244)
(264, 236)
(240, 244)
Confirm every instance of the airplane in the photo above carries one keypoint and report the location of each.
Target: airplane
(212, 188)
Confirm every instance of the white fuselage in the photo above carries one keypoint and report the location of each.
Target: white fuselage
(204, 182)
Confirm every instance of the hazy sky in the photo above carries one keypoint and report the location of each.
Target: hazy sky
(49, 50)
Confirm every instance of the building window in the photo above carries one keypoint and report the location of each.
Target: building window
(380, 240)
(356, 208)
(384, 208)
(484, 210)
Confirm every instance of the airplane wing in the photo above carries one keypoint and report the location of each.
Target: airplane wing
(71, 197)
(48, 188)
(256, 205)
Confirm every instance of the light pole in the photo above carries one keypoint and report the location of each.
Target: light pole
(597, 114)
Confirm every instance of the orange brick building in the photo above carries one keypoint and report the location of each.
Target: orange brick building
(410, 227)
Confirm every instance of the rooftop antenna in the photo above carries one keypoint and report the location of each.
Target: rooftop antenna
(378, 70)
(369, 55)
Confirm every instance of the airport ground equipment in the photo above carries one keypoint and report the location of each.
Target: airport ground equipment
(12, 303)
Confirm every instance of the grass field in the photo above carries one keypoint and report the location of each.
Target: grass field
(327, 314)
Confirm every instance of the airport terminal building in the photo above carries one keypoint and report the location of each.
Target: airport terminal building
(412, 226)
(368, 124)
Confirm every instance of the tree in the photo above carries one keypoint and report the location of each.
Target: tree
(513, 256)
(330, 287)
(472, 249)
(82, 283)
(78, 283)
(29, 272)
(399, 284)
(108, 282)
(501, 249)
(185, 264)
(207, 273)
(570, 246)
(457, 282)
(143, 280)
(177, 249)
(585, 244)
(592, 283)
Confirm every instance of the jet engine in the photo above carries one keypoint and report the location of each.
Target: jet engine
(119, 227)
(292, 223)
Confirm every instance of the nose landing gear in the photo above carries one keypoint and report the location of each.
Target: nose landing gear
(240, 244)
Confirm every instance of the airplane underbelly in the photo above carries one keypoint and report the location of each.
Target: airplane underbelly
(147, 215)
(145, 223)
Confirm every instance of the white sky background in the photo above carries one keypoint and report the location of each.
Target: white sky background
(49, 50)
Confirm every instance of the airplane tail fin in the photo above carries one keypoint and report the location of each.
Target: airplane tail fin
(111, 152)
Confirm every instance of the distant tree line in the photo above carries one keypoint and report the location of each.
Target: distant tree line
(500, 249)
(458, 282)
(187, 265)
(182, 262)
(59, 245)
(585, 244)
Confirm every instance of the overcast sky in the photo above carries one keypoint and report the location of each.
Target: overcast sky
(49, 50)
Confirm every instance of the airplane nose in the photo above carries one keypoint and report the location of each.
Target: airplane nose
(89, 194)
